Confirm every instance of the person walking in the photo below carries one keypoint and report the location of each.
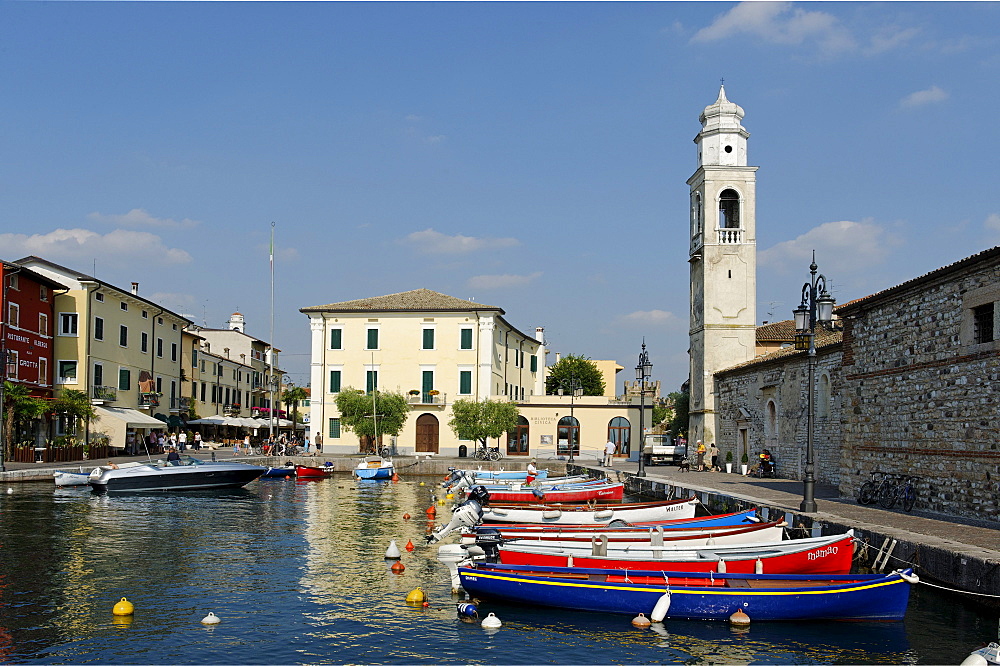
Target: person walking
(700, 450)
(182, 440)
(305, 441)
(197, 441)
(319, 443)
(609, 453)
(713, 454)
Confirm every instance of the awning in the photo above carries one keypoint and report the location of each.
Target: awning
(132, 418)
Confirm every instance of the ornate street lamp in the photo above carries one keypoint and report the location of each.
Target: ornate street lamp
(573, 385)
(642, 373)
(816, 307)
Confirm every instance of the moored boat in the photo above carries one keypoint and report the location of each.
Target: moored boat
(599, 491)
(279, 472)
(701, 596)
(374, 467)
(308, 472)
(721, 534)
(189, 474)
(590, 515)
(490, 475)
(728, 520)
(63, 478)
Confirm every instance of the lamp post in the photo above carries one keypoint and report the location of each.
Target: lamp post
(816, 307)
(573, 384)
(273, 385)
(642, 373)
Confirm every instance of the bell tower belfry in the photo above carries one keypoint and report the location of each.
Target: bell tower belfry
(723, 259)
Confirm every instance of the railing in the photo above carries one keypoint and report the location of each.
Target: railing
(730, 236)
(231, 410)
(427, 399)
(149, 399)
(180, 404)
(106, 393)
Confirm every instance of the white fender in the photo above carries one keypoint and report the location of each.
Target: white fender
(601, 515)
(661, 608)
(910, 578)
(551, 515)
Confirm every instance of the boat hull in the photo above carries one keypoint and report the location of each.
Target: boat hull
(765, 597)
(584, 493)
(306, 472)
(63, 479)
(278, 473)
(144, 478)
(676, 509)
(616, 539)
(727, 520)
(383, 473)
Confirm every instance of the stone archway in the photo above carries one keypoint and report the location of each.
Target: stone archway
(427, 434)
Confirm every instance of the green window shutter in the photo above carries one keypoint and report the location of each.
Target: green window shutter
(427, 380)
(466, 342)
(336, 338)
(428, 338)
(124, 379)
(371, 380)
(465, 382)
(334, 430)
(194, 358)
(534, 363)
(335, 381)
(372, 338)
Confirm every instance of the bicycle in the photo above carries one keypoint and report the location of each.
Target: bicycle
(867, 493)
(487, 454)
(901, 488)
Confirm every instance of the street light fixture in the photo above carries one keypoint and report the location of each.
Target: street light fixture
(642, 373)
(575, 388)
(816, 307)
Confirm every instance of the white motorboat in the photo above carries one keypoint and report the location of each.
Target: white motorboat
(185, 474)
(63, 478)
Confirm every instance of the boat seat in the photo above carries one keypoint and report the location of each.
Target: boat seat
(737, 582)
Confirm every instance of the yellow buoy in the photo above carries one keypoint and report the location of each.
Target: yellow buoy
(421, 484)
(450, 496)
(739, 619)
(122, 620)
(123, 607)
(640, 621)
(416, 595)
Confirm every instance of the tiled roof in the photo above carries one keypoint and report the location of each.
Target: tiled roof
(778, 331)
(824, 338)
(417, 300)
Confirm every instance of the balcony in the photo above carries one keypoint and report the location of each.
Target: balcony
(427, 398)
(105, 393)
(730, 236)
(231, 409)
(178, 404)
(149, 399)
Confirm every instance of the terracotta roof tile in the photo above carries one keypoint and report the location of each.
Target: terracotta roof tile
(421, 300)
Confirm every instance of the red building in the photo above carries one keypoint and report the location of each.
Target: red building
(27, 318)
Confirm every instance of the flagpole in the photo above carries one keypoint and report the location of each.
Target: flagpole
(270, 358)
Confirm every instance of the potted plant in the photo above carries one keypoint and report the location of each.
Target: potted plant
(433, 392)
(745, 460)
(414, 392)
(729, 462)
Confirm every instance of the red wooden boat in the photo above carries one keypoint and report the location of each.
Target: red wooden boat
(665, 535)
(820, 555)
(605, 492)
(306, 472)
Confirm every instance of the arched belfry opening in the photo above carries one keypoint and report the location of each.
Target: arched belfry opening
(729, 209)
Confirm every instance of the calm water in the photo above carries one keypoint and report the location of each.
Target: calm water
(296, 572)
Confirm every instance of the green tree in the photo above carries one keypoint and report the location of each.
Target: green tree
(75, 405)
(574, 369)
(482, 420)
(18, 408)
(662, 414)
(293, 395)
(362, 413)
(679, 422)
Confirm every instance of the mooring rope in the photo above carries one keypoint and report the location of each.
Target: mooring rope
(865, 546)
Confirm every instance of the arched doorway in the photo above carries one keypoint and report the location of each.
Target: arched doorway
(568, 435)
(427, 434)
(619, 432)
(517, 439)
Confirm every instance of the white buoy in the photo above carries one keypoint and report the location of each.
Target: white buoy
(491, 621)
(661, 608)
(392, 552)
(10, 491)
(640, 621)
(211, 618)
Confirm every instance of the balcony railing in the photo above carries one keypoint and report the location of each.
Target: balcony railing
(730, 236)
(231, 409)
(427, 399)
(105, 393)
(179, 404)
(149, 399)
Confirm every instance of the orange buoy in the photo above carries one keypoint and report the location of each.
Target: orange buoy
(427, 604)
(397, 567)
(395, 477)
(409, 546)
(406, 516)
(431, 511)
(739, 619)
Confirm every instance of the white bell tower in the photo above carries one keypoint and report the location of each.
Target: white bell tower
(723, 258)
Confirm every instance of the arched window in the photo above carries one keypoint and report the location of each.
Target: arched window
(771, 423)
(729, 210)
(619, 430)
(823, 396)
(567, 435)
(517, 439)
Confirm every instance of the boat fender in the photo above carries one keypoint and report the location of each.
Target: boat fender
(392, 552)
(661, 608)
(602, 515)
(450, 496)
(758, 567)
(123, 607)
(468, 610)
(739, 619)
(910, 578)
(491, 621)
(211, 618)
(641, 621)
(498, 512)
(975, 659)
(722, 566)
(551, 515)
(416, 595)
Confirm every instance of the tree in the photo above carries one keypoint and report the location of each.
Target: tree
(75, 405)
(482, 420)
(679, 423)
(362, 413)
(570, 369)
(19, 406)
(662, 414)
(293, 395)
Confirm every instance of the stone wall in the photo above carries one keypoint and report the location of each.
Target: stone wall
(921, 397)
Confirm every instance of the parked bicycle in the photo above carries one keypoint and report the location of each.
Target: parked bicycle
(900, 488)
(870, 489)
(487, 454)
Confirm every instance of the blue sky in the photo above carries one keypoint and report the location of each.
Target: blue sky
(527, 155)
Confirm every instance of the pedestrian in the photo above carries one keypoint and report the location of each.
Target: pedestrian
(173, 440)
(700, 450)
(609, 453)
(151, 441)
(161, 442)
(319, 443)
(236, 447)
(246, 445)
(713, 454)
(306, 439)
(197, 441)
(182, 440)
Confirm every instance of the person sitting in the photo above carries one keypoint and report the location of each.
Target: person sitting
(766, 466)
(173, 458)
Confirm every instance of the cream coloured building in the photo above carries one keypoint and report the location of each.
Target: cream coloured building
(436, 349)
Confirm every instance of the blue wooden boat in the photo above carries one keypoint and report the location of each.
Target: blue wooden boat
(279, 472)
(696, 596)
(374, 467)
(510, 475)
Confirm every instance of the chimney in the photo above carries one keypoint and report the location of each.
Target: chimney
(135, 288)
(540, 334)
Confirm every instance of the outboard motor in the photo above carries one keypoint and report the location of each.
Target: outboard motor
(453, 477)
(467, 514)
(490, 540)
(480, 494)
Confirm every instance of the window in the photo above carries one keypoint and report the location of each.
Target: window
(428, 338)
(12, 364)
(98, 374)
(335, 381)
(67, 372)
(173, 351)
(465, 382)
(144, 342)
(334, 429)
(14, 284)
(43, 371)
(43, 293)
(68, 323)
(145, 315)
(43, 324)
(124, 379)
(203, 391)
(427, 384)
(372, 338)
(124, 306)
(771, 423)
(336, 338)
(982, 324)
(729, 210)
(123, 335)
(98, 328)
(13, 315)
(465, 338)
(371, 380)
(194, 358)
(99, 296)
(534, 363)
(159, 347)
(159, 384)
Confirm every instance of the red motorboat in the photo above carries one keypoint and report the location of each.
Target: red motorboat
(306, 472)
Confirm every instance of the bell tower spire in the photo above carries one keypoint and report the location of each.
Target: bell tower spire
(722, 257)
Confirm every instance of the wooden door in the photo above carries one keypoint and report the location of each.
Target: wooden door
(427, 434)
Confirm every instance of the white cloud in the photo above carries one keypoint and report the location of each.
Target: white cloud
(501, 281)
(923, 97)
(842, 247)
(63, 245)
(137, 217)
(648, 318)
(430, 241)
(889, 38)
(992, 226)
(779, 23)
